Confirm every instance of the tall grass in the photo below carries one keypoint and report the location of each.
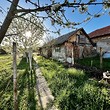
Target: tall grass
(26, 85)
(95, 62)
(73, 89)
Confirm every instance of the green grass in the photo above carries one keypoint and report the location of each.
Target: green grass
(26, 85)
(95, 61)
(73, 89)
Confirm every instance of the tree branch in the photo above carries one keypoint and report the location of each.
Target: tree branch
(11, 34)
(46, 8)
(8, 19)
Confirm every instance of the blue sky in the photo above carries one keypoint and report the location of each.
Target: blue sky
(89, 26)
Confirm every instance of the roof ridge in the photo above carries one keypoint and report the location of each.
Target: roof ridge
(100, 28)
(100, 32)
(70, 32)
(61, 39)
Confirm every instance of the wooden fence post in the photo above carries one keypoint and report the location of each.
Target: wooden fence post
(15, 102)
(101, 62)
(72, 56)
(30, 59)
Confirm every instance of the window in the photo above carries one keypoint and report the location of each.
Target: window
(58, 49)
(108, 43)
(81, 39)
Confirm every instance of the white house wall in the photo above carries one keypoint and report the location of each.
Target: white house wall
(60, 56)
(104, 45)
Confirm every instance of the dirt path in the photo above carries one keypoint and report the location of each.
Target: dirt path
(45, 97)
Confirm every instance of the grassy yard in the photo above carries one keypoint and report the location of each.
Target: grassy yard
(95, 61)
(73, 89)
(27, 99)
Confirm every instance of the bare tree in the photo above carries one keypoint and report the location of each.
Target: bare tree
(54, 11)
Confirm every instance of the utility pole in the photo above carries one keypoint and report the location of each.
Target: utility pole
(15, 102)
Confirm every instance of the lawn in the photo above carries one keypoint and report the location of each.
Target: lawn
(27, 99)
(73, 89)
(95, 61)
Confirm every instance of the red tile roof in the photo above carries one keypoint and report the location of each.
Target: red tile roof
(100, 32)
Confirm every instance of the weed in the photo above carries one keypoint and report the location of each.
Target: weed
(73, 89)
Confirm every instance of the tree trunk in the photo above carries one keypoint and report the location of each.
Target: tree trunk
(8, 19)
(14, 78)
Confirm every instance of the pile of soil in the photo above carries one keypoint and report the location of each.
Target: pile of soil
(93, 71)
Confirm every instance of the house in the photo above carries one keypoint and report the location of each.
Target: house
(75, 44)
(104, 44)
(102, 38)
(99, 34)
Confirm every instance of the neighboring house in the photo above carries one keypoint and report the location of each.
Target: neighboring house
(104, 44)
(99, 34)
(75, 44)
(102, 38)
